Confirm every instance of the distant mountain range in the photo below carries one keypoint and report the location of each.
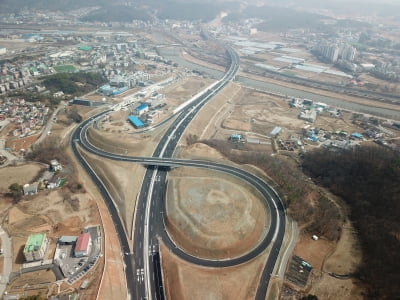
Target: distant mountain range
(52, 5)
(204, 10)
(125, 11)
(389, 8)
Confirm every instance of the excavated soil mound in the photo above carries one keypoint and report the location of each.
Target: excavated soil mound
(214, 218)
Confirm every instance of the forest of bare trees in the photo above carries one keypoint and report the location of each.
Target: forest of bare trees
(368, 180)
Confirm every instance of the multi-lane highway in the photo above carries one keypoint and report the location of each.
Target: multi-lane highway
(143, 270)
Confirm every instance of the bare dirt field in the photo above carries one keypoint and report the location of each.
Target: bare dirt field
(23, 144)
(55, 217)
(381, 85)
(341, 258)
(205, 125)
(187, 281)
(324, 121)
(30, 284)
(213, 215)
(200, 151)
(183, 90)
(330, 288)
(240, 110)
(19, 174)
(244, 111)
(126, 144)
(123, 180)
(253, 114)
(47, 213)
(117, 122)
(347, 255)
(314, 252)
(265, 112)
(16, 44)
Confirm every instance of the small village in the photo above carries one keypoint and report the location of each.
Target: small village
(26, 118)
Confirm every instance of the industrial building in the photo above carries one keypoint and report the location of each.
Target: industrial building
(237, 138)
(67, 240)
(136, 122)
(141, 109)
(275, 131)
(83, 244)
(309, 115)
(36, 247)
(107, 90)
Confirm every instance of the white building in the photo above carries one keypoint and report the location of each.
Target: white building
(55, 165)
(308, 115)
(36, 247)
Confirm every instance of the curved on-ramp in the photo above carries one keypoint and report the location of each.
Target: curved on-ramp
(271, 198)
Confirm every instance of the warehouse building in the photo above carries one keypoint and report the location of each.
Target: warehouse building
(83, 243)
(36, 247)
(136, 122)
(275, 131)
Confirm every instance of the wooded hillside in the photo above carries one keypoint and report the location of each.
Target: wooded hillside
(368, 179)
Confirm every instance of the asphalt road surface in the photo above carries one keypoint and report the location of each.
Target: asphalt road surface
(143, 270)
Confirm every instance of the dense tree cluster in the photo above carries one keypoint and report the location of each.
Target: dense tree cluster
(73, 83)
(16, 191)
(367, 178)
(74, 116)
(50, 148)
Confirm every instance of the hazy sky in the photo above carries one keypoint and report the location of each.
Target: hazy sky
(329, 2)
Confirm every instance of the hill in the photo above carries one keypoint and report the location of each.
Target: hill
(73, 83)
(52, 5)
(277, 18)
(124, 11)
(367, 179)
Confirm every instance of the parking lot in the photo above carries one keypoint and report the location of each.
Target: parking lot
(73, 267)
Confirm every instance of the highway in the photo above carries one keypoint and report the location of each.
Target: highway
(142, 267)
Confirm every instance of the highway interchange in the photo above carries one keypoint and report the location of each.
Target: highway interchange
(142, 265)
